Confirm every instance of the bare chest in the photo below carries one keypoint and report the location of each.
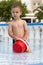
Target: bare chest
(18, 25)
(18, 29)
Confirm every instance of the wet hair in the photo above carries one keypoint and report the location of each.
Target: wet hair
(16, 5)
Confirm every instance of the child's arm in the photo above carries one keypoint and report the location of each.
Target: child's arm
(10, 32)
(25, 31)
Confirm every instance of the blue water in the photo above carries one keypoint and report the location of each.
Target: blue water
(21, 59)
(35, 39)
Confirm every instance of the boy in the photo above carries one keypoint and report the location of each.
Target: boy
(18, 27)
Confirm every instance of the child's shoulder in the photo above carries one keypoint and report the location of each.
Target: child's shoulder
(10, 22)
(23, 21)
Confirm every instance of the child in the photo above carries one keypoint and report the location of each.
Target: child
(18, 27)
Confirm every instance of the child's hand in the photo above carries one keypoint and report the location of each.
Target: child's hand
(28, 49)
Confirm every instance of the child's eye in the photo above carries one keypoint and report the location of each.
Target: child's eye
(13, 11)
(16, 12)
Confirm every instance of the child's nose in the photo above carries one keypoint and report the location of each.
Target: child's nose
(15, 13)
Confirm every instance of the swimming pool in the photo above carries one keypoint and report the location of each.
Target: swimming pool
(35, 38)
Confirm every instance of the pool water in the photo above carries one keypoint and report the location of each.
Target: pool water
(35, 39)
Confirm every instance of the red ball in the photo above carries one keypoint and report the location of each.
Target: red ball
(19, 46)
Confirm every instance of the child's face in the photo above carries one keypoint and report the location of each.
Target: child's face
(16, 12)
